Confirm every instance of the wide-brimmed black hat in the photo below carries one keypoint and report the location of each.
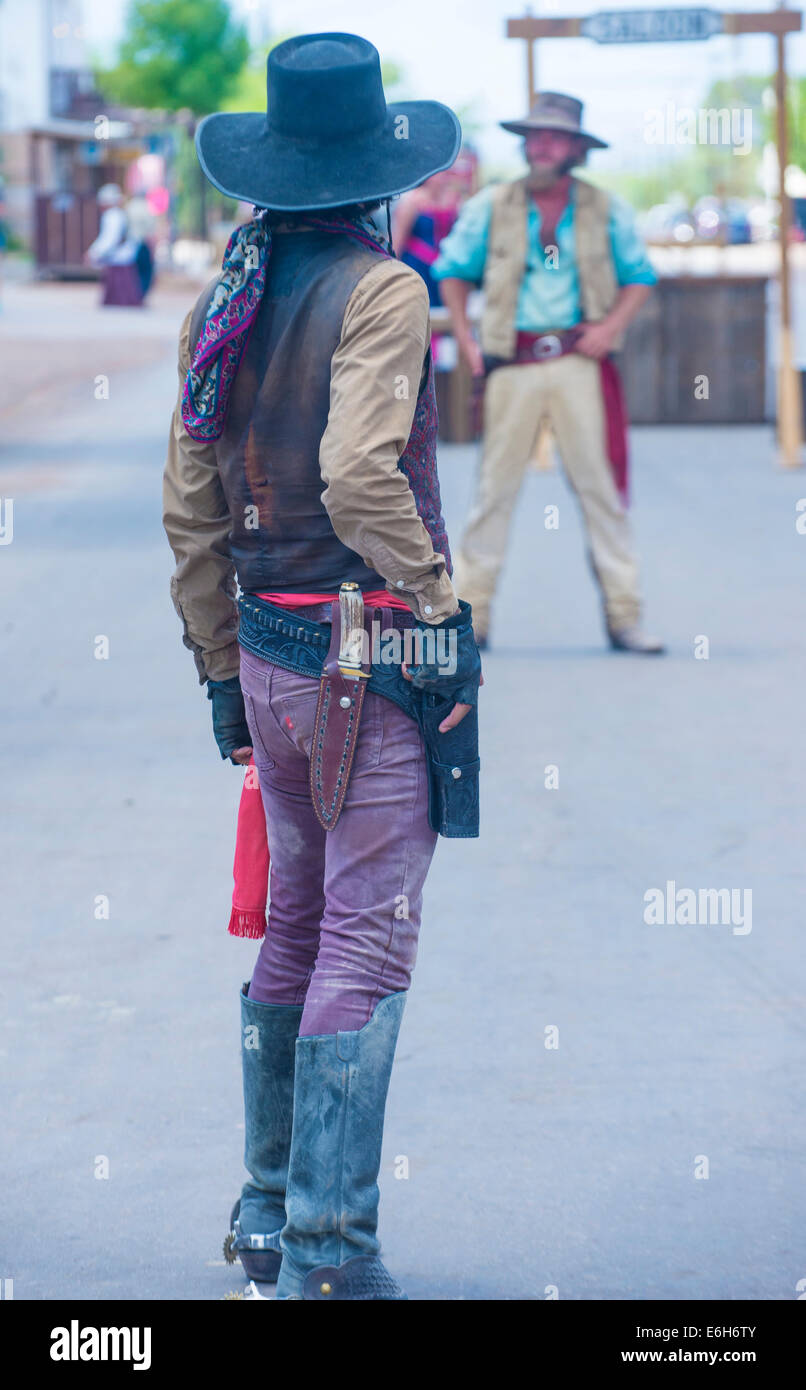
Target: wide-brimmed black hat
(327, 137)
(555, 111)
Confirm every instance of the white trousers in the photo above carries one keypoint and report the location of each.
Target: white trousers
(568, 391)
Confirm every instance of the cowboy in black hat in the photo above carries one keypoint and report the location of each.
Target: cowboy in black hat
(563, 272)
(302, 461)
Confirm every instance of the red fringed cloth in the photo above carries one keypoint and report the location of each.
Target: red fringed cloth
(251, 868)
(616, 422)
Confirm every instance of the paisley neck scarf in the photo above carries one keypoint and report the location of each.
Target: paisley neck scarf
(232, 311)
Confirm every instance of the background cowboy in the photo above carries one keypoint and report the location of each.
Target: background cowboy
(298, 459)
(563, 273)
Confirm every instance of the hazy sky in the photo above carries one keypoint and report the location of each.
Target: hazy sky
(456, 51)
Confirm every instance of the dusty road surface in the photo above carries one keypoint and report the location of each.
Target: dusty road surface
(591, 1106)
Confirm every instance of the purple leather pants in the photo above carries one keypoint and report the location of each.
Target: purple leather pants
(345, 904)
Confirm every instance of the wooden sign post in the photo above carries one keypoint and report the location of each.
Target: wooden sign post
(686, 26)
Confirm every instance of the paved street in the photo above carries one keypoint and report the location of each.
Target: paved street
(657, 1151)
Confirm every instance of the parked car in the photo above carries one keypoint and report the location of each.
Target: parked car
(725, 220)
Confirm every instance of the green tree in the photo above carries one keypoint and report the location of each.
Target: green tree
(178, 54)
(757, 94)
(710, 168)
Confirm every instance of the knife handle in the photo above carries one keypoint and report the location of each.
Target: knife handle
(351, 613)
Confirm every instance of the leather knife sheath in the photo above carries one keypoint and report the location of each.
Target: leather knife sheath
(335, 734)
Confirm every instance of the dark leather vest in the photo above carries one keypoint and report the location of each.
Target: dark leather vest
(282, 540)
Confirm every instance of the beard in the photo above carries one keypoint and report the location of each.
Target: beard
(546, 175)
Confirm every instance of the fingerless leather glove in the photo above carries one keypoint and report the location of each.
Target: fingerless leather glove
(230, 728)
(453, 670)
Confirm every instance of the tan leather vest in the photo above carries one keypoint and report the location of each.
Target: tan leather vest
(507, 253)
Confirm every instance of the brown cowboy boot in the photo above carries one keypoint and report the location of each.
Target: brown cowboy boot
(634, 639)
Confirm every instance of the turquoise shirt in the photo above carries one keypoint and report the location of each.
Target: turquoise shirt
(549, 294)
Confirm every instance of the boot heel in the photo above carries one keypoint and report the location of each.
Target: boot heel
(259, 1255)
(261, 1265)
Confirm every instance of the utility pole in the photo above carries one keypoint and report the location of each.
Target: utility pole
(790, 400)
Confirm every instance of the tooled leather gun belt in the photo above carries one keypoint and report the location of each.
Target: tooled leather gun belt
(312, 649)
(339, 654)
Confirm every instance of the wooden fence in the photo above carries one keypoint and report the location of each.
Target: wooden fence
(65, 225)
(695, 354)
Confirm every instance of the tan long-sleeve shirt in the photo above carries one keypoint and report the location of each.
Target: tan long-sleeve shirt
(375, 378)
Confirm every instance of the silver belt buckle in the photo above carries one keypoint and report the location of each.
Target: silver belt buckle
(547, 346)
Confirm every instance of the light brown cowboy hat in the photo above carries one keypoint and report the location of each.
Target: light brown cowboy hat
(555, 111)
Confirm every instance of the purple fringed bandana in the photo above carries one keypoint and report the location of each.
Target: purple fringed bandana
(229, 318)
(230, 314)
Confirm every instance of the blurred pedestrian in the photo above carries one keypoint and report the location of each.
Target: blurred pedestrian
(563, 272)
(141, 225)
(421, 220)
(3, 235)
(115, 251)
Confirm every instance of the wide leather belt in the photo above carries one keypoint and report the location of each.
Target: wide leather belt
(294, 643)
(540, 347)
(300, 645)
(529, 349)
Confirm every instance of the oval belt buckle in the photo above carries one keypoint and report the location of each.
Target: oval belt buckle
(547, 346)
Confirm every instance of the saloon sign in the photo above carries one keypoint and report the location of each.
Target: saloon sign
(651, 26)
